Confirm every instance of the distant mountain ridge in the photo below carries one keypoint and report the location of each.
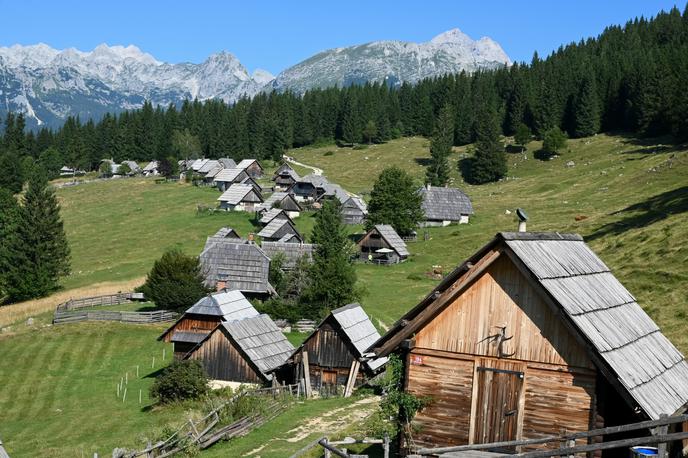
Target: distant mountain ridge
(49, 84)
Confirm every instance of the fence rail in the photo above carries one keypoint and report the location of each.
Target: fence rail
(157, 316)
(94, 301)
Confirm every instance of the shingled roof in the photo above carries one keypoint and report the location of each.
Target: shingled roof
(246, 163)
(619, 334)
(227, 162)
(243, 266)
(358, 328)
(208, 166)
(395, 242)
(152, 165)
(272, 214)
(445, 204)
(230, 305)
(292, 251)
(227, 233)
(275, 198)
(236, 193)
(228, 175)
(276, 229)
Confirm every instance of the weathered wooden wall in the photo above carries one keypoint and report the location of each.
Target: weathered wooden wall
(222, 360)
(193, 323)
(543, 383)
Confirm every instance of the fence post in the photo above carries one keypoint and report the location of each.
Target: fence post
(661, 431)
(328, 454)
(386, 445)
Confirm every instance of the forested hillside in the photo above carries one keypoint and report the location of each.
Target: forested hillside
(630, 78)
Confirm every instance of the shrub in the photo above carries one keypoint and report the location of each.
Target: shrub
(329, 153)
(180, 381)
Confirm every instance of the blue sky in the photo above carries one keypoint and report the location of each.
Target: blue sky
(276, 34)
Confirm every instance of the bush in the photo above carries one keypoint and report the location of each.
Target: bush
(329, 153)
(180, 381)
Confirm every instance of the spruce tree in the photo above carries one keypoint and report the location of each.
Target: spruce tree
(332, 275)
(489, 162)
(9, 214)
(522, 136)
(11, 171)
(586, 109)
(39, 252)
(395, 200)
(437, 173)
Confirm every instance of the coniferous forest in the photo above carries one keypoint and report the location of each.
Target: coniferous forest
(631, 78)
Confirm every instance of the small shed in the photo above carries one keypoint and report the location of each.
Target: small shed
(285, 177)
(272, 214)
(244, 351)
(240, 197)
(354, 211)
(252, 168)
(227, 233)
(334, 191)
(530, 336)
(151, 168)
(203, 317)
(282, 200)
(209, 177)
(250, 181)
(227, 163)
(64, 172)
(236, 265)
(443, 206)
(292, 252)
(309, 188)
(336, 351)
(382, 245)
(278, 228)
(198, 164)
(227, 177)
(209, 165)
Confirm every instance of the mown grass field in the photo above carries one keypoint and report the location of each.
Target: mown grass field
(57, 394)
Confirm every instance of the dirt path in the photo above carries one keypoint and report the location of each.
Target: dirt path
(316, 171)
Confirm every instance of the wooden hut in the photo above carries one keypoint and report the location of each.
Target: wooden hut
(443, 206)
(335, 351)
(282, 200)
(227, 177)
(273, 213)
(382, 245)
(277, 229)
(250, 181)
(292, 251)
(309, 188)
(244, 351)
(204, 316)
(151, 169)
(227, 233)
(532, 336)
(354, 211)
(236, 265)
(284, 177)
(252, 167)
(240, 197)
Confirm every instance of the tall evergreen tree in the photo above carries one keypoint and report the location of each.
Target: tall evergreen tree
(332, 275)
(586, 109)
(395, 200)
(437, 173)
(39, 251)
(489, 162)
(11, 177)
(9, 214)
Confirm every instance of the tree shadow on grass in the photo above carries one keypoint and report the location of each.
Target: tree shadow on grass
(647, 212)
(424, 161)
(650, 146)
(542, 155)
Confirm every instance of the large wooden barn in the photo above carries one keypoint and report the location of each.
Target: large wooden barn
(244, 351)
(204, 316)
(335, 349)
(530, 337)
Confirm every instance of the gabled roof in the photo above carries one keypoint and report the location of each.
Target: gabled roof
(621, 338)
(292, 251)
(358, 328)
(133, 166)
(197, 164)
(319, 181)
(259, 340)
(357, 203)
(276, 198)
(290, 238)
(214, 171)
(244, 266)
(152, 165)
(274, 226)
(336, 191)
(228, 175)
(186, 336)
(286, 173)
(230, 305)
(284, 168)
(388, 233)
(236, 193)
(272, 214)
(227, 162)
(208, 166)
(227, 232)
(445, 204)
(246, 163)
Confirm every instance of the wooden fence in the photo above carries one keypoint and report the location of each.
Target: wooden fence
(157, 316)
(567, 442)
(207, 431)
(108, 299)
(330, 447)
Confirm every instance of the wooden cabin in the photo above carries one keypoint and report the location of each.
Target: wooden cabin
(236, 265)
(309, 188)
(293, 251)
(250, 181)
(354, 211)
(444, 205)
(240, 197)
(151, 169)
(227, 177)
(244, 351)
(284, 201)
(227, 233)
(273, 213)
(284, 177)
(204, 316)
(382, 245)
(252, 168)
(278, 228)
(336, 344)
(530, 337)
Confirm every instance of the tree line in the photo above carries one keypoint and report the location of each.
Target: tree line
(630, 78)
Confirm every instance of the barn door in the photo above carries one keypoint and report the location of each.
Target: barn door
(496, 410)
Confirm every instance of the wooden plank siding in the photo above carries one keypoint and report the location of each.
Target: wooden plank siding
(542, 382)
(202, 324)
(223, 361)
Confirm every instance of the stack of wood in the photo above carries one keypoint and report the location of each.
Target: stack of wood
(304, 326)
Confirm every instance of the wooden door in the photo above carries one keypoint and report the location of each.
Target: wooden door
(498, 394)
(329, 377)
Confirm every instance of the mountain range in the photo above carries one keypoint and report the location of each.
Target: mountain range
(48, 84)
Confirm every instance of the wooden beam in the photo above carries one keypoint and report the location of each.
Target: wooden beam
(306, 374)
(438, 304)
(351, 380)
